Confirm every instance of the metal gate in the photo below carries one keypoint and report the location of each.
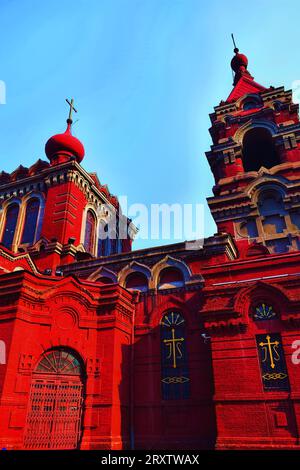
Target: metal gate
(55, 403)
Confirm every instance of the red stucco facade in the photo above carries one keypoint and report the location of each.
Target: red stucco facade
(185, 346)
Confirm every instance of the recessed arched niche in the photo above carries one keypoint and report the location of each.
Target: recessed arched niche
(259, 149)
(170, 277)
(137, 281)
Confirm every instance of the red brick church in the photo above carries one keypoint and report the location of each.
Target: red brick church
(161, 348)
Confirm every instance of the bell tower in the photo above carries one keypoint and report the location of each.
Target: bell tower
(255, 160)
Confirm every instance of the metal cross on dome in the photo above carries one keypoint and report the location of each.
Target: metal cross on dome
(72, 108)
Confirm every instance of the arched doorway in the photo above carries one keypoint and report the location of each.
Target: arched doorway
(55, 402)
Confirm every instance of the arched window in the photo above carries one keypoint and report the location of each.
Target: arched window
(11, 220)
(118, 240)
(270, 202)
(56, 402)
(59, 361)
(249, 104)
(259, 150)
(137, 281)
(89, 238)
(31, 219)
(170, 277)
(264, 311)
(104, 242)
(174, 366)
(119, 245)
(113, 246)
(107, 246)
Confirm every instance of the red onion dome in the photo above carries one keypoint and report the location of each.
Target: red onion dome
(64, 145)
(239, 61)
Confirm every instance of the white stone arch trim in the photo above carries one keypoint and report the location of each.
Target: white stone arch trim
(170, 262)
(248, 96)
(252, 124)
(4, 208)
(265, 183)
(103, 272)
(22, 215)
(134, 267)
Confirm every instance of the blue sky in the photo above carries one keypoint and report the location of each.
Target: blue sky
(144, 74)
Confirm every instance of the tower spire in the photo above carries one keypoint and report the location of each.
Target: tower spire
(239, 63)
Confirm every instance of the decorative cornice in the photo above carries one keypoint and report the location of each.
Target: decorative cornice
(16, 258)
